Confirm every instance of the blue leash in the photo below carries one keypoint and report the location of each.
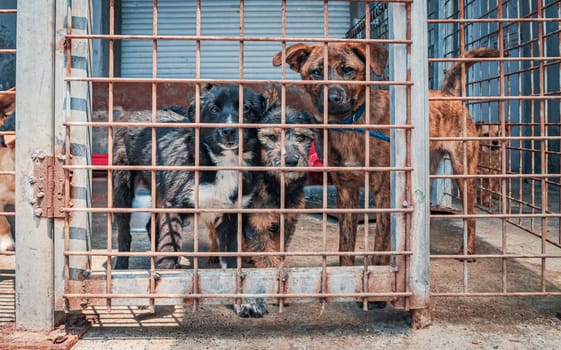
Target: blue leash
(356, 116)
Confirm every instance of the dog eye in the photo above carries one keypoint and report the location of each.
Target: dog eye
(272, 137)
(301, 138)
(317, 73)
(348, 70)
(246, 108)
(214, 109)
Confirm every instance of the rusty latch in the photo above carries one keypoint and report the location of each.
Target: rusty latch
(48, 186)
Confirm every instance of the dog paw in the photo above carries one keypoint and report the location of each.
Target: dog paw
(256, 309)
(7, 243)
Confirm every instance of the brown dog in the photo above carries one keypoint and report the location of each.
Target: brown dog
(491, 160)
(7, 163)
(347, 61)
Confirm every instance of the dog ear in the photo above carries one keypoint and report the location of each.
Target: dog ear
(271, 95)
(378, 56)
(296, 56)
(207, 87)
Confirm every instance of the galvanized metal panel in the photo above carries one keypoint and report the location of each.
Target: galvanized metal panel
(221, 59)
(419, 263)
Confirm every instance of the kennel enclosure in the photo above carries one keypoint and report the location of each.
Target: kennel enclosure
(94, 56)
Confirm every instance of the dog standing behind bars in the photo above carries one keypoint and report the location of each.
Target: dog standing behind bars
(261, 231)
(346, 105)
(491, 160)
(175, 146)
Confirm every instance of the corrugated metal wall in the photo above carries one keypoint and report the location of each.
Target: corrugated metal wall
(220, 59)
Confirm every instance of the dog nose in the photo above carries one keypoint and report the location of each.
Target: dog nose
(334, 96)
(291, 160)
(229, 133)
(495, 143)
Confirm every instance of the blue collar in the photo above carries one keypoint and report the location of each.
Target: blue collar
(353, 119)
(355, 116)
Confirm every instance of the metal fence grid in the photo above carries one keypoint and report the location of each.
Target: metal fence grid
(515, 101)
(517, 97)
(96, 282)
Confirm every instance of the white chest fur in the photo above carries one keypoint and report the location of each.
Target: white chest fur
(222, 193)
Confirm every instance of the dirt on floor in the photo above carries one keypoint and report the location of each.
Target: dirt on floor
(458, 322)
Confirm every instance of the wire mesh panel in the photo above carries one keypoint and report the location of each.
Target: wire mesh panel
(211, 191)
(513, 99)
(7, 161)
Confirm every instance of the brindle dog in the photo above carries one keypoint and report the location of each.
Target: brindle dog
(347, 61)
(175, 146)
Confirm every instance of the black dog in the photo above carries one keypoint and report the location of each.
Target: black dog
(261, 231)
(176, 147)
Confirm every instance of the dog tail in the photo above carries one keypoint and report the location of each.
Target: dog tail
(451, 83)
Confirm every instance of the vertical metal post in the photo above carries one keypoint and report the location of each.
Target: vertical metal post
(397, 18)
(419, 275)
(35, 128)
(418, 230)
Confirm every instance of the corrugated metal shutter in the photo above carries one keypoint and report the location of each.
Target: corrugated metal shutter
(220, 59)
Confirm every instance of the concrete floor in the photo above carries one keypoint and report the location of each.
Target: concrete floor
(458, 323)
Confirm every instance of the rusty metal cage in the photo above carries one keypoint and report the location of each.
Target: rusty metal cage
(304, 273)
(515, 102)
(109, 67)
(106, 286)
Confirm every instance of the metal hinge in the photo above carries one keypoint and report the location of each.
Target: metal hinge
(48, 186)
